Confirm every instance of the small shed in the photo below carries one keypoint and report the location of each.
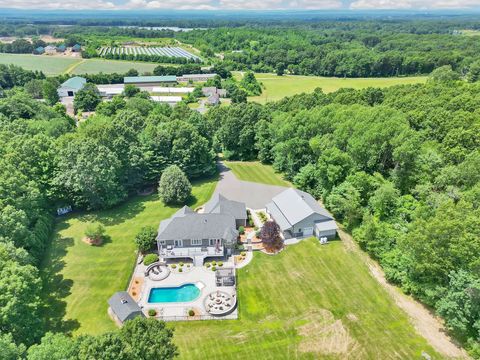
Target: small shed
(71, 86)
(123, 307)
(39, 50)
(76, 48)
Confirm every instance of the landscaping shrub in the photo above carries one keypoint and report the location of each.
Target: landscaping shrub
(214, 268)
(173, 266)
(220, 263)
(207, 265)
(191, 312)
(243, 253)
(152, 312)
(150, 259)
(180, 270)
(241, 230)
(214, 263)
(180, 264)
(145, 239)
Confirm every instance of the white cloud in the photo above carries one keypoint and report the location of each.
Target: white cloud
(168, 4)
(59, 4)
(315, 4)
(414, 4)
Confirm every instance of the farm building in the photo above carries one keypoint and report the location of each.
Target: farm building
(39, 50)
(50, 50)
(122, 307)
(212, 90)
(195, 77)
(213, 99)
(110, 90)
(170, 100)
(61, 48)
(71, 86)
(145, 81)
(298, 214)
(172, 90)
(76, 48)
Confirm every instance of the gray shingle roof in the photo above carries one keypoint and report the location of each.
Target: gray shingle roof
(219, 204)
(124, 306)
(295, 205)
(198, 226)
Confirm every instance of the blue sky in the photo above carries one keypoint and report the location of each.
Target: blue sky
(241, 4)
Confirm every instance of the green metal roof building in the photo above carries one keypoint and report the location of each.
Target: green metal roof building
(71, 86)
(150, 80)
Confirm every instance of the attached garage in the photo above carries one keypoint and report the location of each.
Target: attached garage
(326, 229)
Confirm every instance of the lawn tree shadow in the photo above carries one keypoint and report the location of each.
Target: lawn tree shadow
(56, 288)
(118, 214)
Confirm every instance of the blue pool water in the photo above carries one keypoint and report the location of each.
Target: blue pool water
(184, 293)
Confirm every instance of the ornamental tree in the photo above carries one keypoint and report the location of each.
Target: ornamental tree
(270, 235)
(174, 187)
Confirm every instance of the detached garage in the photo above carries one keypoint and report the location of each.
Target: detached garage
(299, 215)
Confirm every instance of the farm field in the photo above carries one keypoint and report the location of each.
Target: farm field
(255, 171)
(49, 65)
(150, 51)
(308, 302)
(95, 66)
(56, 65)
(277, 87)
(80, 278)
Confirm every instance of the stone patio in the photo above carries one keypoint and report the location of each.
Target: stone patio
(202, 277)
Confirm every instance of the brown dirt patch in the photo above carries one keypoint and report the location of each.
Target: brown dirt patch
(352, 317)
(92, 242)
(323, 334)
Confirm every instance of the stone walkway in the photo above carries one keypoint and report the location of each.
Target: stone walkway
(254, 195)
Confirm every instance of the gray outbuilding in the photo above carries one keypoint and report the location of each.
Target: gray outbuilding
(123, 307)
(298, 214)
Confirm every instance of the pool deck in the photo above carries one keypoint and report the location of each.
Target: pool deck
(202, 277)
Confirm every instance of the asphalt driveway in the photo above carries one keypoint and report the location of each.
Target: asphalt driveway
(254, 195)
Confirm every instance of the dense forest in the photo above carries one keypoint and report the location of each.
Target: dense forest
(399, 167)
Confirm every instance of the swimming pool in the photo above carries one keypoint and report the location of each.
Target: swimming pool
(184, 293)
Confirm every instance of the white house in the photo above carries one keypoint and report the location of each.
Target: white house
(298, 214)
(71, 86)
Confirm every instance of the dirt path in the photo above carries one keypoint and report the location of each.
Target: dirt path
(426, 324)
(73, 66)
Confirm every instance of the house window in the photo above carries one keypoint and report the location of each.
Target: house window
(196, 241)
(213, 242)
(162, 242)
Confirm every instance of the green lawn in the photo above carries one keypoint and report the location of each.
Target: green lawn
(256, 172)
(50, 65)
(277, 87)
(80, 278)
(95, 66)
(56, 65)
(310, 301)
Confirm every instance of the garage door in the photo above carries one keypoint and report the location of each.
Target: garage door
(308, 231)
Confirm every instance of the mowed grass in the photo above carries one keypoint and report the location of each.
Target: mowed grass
(56, 65)
(80, 278)
(255, 171)
(95, 66)
(277, 87)
(49, 65)
(308, 302)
